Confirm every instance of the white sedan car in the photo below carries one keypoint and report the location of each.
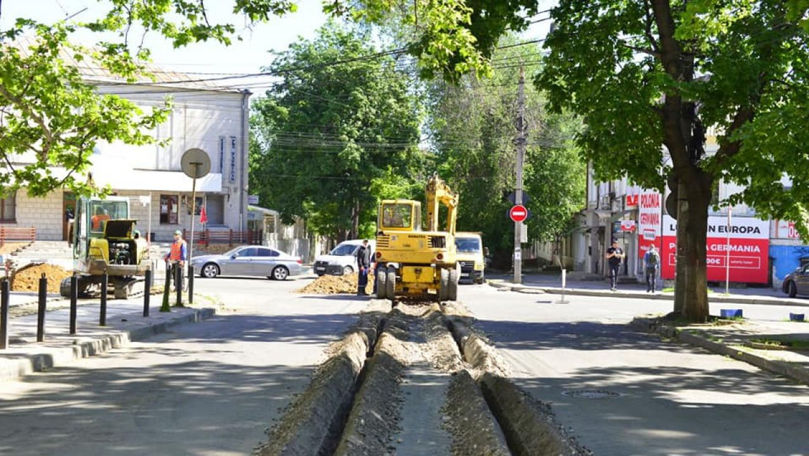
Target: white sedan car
(249, 260)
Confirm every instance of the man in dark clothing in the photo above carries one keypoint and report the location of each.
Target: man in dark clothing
(651, 262)
(363, 255)
(614, 257)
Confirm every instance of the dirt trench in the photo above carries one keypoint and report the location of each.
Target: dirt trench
(457, 400)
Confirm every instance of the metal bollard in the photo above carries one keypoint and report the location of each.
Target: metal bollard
(178, 284)
(164, 307)
(74, 296)
(190, 284)
(4, 298)
(102, 315)
(43, 297)
(147, 292)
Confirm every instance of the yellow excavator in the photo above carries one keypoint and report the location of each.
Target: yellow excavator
(412, 262)
(104, 240)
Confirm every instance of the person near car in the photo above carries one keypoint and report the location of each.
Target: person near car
(651, 264)
(614, 256)
(177, 256)
(364, 265)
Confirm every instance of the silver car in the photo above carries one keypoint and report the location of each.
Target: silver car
(249, 261)
(797, 282)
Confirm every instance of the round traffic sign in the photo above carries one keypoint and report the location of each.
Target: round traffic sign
(518, 213)
(195, 163)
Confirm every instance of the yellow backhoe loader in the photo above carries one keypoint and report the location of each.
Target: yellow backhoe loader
(413, 262)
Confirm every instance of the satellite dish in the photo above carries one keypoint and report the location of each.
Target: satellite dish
(195, 163)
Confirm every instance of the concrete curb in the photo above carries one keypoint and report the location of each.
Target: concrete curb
(622, 294)
(652, 325)
(51, 357)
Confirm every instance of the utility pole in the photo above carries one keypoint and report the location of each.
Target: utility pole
(518, 199)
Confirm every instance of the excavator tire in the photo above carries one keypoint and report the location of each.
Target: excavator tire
(443, 285)
(382, 283)
(390, 284)
(452, 285)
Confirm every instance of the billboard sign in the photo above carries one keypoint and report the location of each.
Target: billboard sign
(749, 249)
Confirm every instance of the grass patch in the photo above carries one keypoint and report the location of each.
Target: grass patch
(792, 344)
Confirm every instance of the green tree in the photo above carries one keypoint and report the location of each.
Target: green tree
(646, 73)
(50, 118)
(332, 136)
(474, 125)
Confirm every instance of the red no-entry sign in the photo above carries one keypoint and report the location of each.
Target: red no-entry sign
(518, 213)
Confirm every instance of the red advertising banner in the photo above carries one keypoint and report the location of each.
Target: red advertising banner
(749, 249)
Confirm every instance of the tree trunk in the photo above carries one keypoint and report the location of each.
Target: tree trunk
(691, 291)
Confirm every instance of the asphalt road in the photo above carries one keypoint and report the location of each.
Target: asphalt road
(627, 393)
(210, 388)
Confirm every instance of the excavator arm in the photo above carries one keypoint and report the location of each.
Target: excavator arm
(439, 193)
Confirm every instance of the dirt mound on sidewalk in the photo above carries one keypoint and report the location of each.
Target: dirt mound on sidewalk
(332, 284)
(27, 277)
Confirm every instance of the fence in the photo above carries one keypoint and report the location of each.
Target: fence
(14, 233)
(229, 237)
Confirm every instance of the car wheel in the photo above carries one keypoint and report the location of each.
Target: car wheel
(209, 271)
(348, 270)
(280, 273)
(792, 290)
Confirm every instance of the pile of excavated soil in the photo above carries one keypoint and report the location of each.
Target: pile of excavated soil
(27, 277)
(332, 284)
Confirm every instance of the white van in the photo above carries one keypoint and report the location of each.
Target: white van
(341, 260)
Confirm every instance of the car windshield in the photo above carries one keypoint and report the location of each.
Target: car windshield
(469, 245)
(344, 249)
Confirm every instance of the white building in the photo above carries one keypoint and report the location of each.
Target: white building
(203, 116)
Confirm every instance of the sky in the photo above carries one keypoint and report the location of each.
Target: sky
(210, 59)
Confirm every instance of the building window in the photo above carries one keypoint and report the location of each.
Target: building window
(169, 209)
(8, 208)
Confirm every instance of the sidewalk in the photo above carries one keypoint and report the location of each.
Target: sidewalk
(125, 322)
(548, 283)
(741, 340)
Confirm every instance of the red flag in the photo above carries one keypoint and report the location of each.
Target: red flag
(203, 217)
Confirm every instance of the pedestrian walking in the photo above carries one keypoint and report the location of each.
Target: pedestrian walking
(614, 256)
(177, 257)
(363, 255)
(651, 264)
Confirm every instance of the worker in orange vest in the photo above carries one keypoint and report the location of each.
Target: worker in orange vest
(178, 254)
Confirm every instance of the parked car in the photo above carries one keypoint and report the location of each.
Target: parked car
(249, 261)
(341, 259)
(470, 253)
(797, 282)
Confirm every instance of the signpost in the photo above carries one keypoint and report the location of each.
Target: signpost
(195, 163)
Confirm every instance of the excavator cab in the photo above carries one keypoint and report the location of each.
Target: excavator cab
(400, 215)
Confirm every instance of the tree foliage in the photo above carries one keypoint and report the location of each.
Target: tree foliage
(474, 125)
(50, 118)
(330, 138)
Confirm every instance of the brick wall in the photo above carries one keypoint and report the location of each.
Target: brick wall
(44, 213)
